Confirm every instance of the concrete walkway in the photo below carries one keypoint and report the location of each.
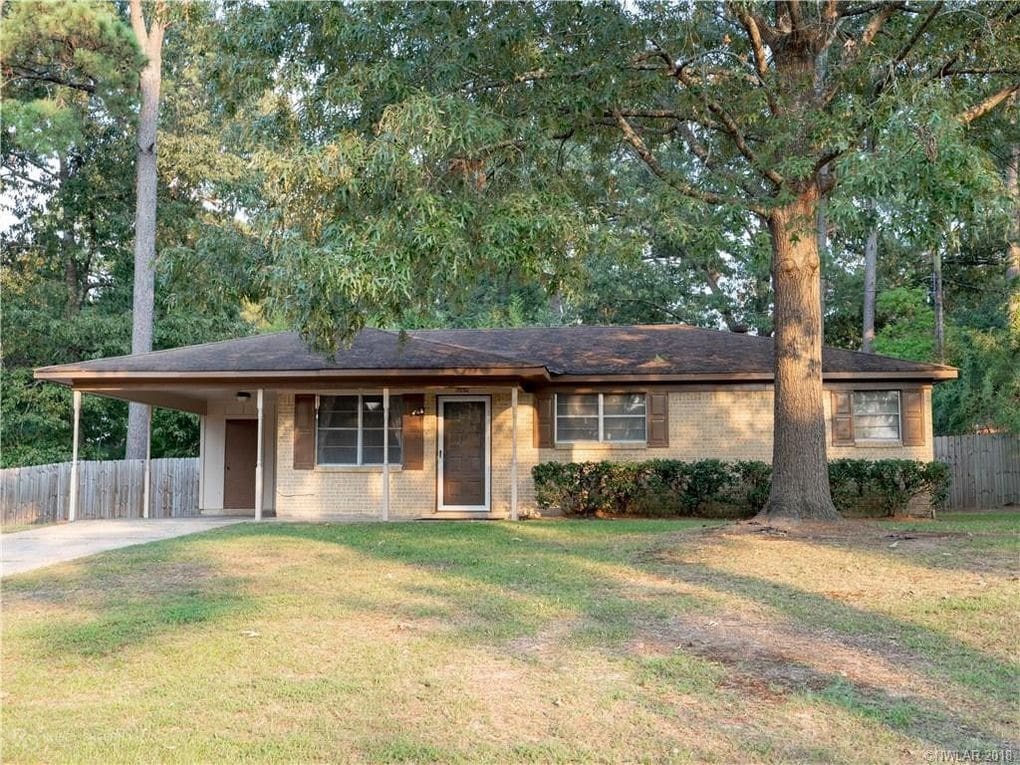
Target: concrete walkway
(36, 548)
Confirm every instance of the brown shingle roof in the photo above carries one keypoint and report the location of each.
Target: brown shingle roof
(653, 349)
(663, 351)
(286, 351)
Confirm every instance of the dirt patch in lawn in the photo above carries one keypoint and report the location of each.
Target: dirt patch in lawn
(853, 613)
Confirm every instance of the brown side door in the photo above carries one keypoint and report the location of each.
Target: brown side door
(464, 458)
(240, 447)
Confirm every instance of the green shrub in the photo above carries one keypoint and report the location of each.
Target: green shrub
(715, 488)
(885, 487)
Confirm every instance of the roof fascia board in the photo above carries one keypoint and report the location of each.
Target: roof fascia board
(80, 378)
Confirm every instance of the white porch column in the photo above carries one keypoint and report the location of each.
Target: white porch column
(201, 463)
(386, 454)
(513, 453)
(148, 463)
(72, 505)
(258, 460)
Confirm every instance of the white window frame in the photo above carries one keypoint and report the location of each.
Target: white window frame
(899, 417)
(601, 419)
(361, 433)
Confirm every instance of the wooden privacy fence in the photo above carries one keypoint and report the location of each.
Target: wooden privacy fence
(106, 489)
(985, 469)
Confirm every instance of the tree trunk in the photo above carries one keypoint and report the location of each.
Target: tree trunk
(70, 255)
(822, 232)
(800, 476)
(870, 289)
(1013, 259)
(151, 43)
(940, 317)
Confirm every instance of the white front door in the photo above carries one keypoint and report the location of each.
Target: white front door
(462, 459)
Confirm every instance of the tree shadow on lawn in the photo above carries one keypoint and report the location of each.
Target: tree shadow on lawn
(938, 545)
(506, 584)
(605, 586)
(126, 598)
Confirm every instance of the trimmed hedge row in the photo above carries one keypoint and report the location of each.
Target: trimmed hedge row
(727, 489)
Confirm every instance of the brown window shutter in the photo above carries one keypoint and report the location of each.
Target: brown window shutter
(411, 425)
(842, 418)
(912, 415)
(658, 419)
(545, 420)
(304, 432)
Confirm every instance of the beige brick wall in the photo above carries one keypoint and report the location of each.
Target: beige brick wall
(732, 423)
(357, 491)
(727, 423)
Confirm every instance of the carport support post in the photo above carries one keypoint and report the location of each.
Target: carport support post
(386, 454)
(72, 505)
(148, 464)
(258, 461)
(513, 453)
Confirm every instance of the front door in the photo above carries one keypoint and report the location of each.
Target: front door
(240, 454)
(463, 458)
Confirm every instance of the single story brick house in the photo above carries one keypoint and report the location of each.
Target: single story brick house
(448, 423)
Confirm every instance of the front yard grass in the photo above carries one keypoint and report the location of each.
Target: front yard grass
(640, 641)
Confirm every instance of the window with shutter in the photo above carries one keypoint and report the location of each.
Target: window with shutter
(876, 415)
(601, 417)
(350, 430)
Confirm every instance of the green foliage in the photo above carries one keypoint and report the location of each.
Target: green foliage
(886, 487)
(655, 487)
(392, 184)
(986, 397)
(62, 62)
(667, 487)
(66, 268)
(904, 323)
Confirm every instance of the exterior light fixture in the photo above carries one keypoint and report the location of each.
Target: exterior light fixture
(243, 396)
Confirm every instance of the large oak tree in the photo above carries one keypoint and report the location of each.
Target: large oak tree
(421, 139)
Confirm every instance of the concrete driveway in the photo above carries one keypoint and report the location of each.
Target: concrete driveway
(35, 548)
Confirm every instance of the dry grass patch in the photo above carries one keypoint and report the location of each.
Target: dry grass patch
(603, 641)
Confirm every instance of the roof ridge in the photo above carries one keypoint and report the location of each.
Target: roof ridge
(500, 356)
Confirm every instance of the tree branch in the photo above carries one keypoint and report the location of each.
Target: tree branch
(981, 109)
(684, 188)
(729, 124)
(138, 24)
(909, 46)
(876, 23)
(753, 29)
(750, 24)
